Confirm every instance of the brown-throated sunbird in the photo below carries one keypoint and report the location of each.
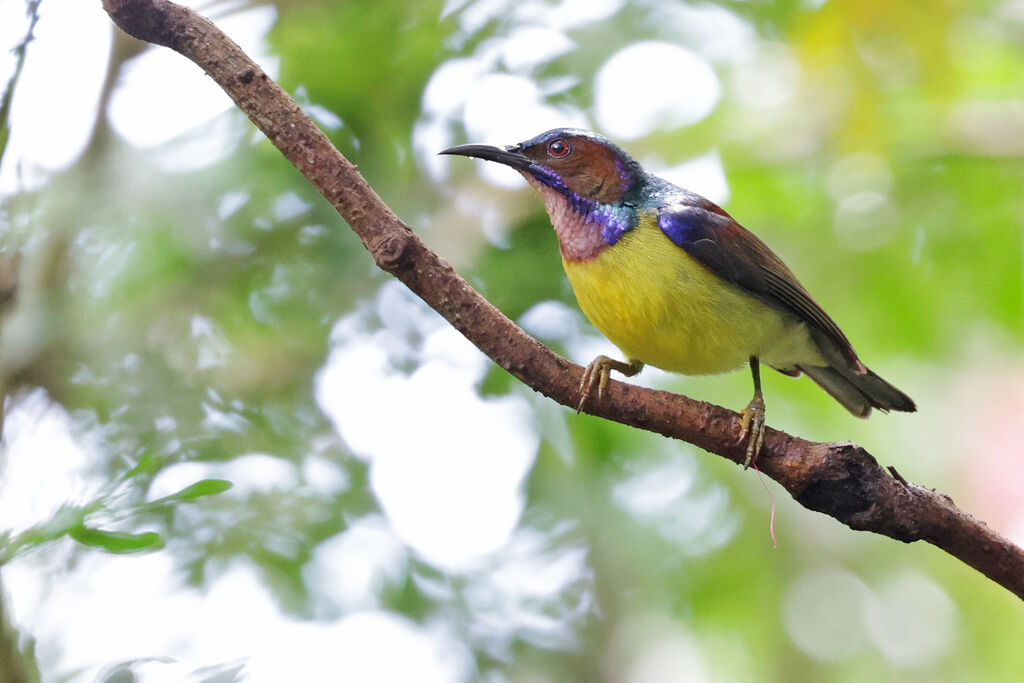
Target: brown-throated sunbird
(674, 282)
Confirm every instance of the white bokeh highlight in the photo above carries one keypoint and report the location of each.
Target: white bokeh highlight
(767, 79)
(234, 619)
(163, 97)
(504, 109)
(653, 85)
(704, 175)
(254, 473)
(654, 648)
(60, 85)
(663, 493)
(44, 464)
(832, 615)
(493, 93)
(350, 570)
(446, 465)
(821, 614)
(568, 14)
(717, 33)
(911, 620)
(160, 97)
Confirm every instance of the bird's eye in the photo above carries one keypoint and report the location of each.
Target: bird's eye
(558, 148)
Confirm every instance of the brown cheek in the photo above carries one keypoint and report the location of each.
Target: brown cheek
(590, 185)
(607, 181)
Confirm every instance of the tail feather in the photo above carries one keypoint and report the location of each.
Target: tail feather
(859, 392)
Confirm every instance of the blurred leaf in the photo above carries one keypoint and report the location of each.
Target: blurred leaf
(148, 465)
(117, 542)
(206, 487)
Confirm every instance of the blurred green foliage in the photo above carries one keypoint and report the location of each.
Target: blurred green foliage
(173, 329)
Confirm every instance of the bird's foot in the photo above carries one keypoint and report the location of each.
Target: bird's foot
(752, 429)
(595, 376)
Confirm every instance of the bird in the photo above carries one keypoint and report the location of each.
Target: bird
(675, 282)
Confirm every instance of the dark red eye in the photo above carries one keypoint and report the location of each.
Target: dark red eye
(558, 148)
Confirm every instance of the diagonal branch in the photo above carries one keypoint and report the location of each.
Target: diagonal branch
(839, 479)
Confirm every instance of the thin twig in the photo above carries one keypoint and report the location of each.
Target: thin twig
(20, 51)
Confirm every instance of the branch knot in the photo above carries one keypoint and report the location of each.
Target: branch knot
(388, 251)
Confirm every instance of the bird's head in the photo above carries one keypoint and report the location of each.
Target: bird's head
(587, 183)
(576, 163)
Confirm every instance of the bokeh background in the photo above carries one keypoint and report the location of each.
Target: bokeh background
(234, 450)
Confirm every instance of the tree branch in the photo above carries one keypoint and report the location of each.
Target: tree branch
(838, 479)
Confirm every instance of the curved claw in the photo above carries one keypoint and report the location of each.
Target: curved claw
(597, 373)
(752, 429)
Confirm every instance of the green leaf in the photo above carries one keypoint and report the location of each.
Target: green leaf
(205, 487)
(119, 542)
(148, 464)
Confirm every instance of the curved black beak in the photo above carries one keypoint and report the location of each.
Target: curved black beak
(510, 156)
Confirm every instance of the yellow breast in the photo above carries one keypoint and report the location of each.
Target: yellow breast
(661, 307)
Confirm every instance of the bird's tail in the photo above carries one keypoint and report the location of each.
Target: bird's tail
(859, 392)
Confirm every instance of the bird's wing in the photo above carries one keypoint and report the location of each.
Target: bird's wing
(736, 255)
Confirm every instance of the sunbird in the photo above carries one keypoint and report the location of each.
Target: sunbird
(674, 281)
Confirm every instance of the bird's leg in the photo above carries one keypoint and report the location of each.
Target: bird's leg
(752, 418)
(596, 375)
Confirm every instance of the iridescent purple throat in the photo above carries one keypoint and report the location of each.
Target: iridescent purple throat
(615, 219)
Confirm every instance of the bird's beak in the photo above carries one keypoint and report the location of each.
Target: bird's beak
(510, 156)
